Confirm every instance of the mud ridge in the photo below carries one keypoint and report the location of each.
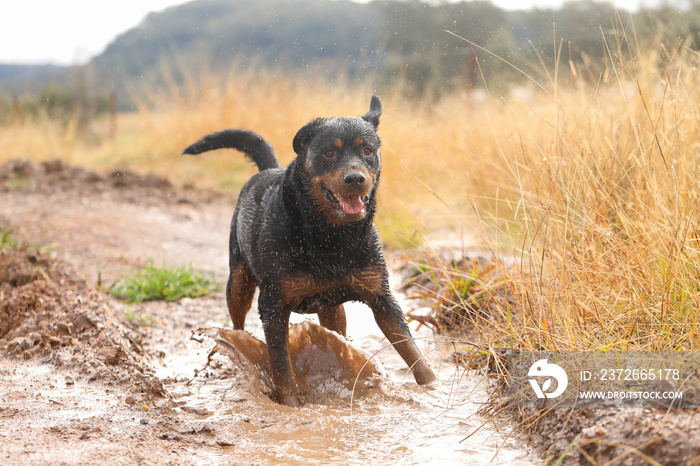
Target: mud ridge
(610, 435)
(49, 313)
(55, 177)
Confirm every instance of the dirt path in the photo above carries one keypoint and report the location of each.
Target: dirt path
(81, 384)
(109, 224)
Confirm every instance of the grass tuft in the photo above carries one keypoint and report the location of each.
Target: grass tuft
(9, 241)
(140, 318)
(164, 283)
(462, 293)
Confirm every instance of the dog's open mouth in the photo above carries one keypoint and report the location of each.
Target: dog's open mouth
(351, 205)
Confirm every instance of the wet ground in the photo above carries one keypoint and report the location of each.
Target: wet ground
(89, 379)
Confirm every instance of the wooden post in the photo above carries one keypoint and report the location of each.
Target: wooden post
(15, 110)
(112, 114)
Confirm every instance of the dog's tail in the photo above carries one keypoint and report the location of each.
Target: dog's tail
(252, 145)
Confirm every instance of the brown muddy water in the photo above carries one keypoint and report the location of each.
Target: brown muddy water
(386, 419)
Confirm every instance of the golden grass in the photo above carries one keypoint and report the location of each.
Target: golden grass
(589, 183)
(603, 176)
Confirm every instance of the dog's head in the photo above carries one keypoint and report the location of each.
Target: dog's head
(341, 158)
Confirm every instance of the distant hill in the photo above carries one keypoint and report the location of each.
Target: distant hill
(218, 34)
(17, 77)
(327, 37)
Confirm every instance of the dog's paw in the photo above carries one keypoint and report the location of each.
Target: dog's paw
(433, 385)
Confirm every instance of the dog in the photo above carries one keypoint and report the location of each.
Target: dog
(304, 235)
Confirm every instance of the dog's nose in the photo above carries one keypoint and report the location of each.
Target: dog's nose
(354, 179)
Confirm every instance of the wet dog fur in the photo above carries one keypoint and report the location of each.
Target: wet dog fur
(304, 236)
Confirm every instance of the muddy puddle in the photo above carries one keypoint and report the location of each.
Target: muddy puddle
(378, 417)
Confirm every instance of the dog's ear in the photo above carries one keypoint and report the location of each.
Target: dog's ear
(375, 109)
(304, 135)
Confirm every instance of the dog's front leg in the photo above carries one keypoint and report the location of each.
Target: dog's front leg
(275, 320)
(392, 323)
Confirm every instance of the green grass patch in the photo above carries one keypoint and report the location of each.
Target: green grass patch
(138, 317)
(164, 283)
(7, 240)
(10, 241)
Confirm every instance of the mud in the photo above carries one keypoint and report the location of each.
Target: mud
(612, 436)
(327, 368)
(50, 314)
(55, 178)
(89, 379)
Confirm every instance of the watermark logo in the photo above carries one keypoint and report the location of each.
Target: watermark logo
(542, 368)
(588, 379)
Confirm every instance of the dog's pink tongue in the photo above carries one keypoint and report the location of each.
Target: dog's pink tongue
(351, 205)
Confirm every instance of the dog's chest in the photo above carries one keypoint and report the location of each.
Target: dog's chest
(306, 292)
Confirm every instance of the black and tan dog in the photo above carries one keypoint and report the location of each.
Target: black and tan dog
(304, 235)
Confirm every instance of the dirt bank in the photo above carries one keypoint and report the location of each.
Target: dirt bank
(647, 436)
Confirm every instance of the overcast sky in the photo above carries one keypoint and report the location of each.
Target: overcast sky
(72, 31)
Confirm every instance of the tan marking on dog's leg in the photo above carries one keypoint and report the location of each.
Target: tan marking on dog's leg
(334, 319)
(239, 296)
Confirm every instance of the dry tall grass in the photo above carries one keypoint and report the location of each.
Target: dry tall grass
(609, 204)
(604, 179)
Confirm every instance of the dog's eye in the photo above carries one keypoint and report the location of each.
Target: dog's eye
(367, 151)
(329, 153)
